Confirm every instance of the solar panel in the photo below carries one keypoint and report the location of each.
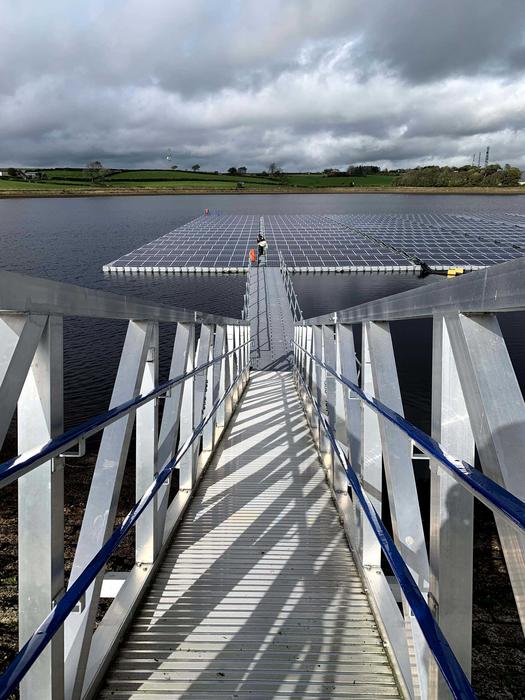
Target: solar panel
(441, 240)
(343, 242)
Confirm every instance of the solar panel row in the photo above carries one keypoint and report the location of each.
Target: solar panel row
(441, 240)
(345, 242)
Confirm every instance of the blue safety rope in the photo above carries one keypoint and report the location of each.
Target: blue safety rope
(449, 666)
(12, 468)
(38, 641)
(486, 489)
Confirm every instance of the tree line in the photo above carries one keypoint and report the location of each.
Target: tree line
(467, 176)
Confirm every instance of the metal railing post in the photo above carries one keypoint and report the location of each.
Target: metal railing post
(497, 416)
(209, 431)
(220, 344)
(402, 494)
(317, 379)
(41, 512)
(329, 356)
(451, 513)
(230, 402)
(169, 427)
(19, 337)
(101, 507)
(147, 530)
(371, 460)
(349, 421)
(238, 361)
(192, 408)
(186, 422)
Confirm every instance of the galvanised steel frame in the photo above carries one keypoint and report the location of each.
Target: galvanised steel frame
(66, 658)
(290, 291)
(477, 405)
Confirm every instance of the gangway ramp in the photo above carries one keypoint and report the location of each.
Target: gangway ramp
(258, 595)
(271, 320)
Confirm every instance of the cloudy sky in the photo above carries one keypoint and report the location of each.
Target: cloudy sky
(305, 83)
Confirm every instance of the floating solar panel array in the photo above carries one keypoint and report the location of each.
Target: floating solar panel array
(219, 242)
(310, 242)
(348, 242)
(440, 240)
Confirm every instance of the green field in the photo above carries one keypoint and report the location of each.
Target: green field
(319, 180)
(73, 180)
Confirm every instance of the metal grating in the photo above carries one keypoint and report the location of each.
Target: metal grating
(259, 596)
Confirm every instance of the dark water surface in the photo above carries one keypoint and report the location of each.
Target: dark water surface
(70, 239)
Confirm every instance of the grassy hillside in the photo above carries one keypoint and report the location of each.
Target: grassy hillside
(319, 180)
(73, 179)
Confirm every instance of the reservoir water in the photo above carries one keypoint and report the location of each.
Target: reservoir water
(70, 239)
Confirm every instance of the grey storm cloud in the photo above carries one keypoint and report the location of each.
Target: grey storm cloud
(305, 83)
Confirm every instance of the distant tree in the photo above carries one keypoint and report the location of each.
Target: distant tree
(232, 170)
(195, 167)
(242, 170)
(510, 177)
(174, 167)
(12, 172)
(95, 170)
(274, 169)
(435, 176)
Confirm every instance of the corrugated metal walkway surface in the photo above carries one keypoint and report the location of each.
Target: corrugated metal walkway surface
(258, 595)
(271, 320)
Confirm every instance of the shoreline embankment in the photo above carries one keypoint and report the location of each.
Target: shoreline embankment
(144, 192)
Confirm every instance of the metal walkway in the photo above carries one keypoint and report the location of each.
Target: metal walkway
(258, 595)
(271, 320)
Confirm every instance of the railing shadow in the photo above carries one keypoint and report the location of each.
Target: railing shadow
(296, 581)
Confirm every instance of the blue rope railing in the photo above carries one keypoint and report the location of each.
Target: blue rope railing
(444, 657)
(497, 498)
(21, 464)
(38, 641)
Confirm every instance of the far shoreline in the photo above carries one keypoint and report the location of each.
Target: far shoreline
(144, 192)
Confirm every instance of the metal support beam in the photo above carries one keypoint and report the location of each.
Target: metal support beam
(220, 348)
(41, 510)
(169, 427)
(348, 408)
(212, 389)
(186, 423)
(371, 460)
(192, 407)
(146, 530)
(330, 383)
(497, 415)
(229, 404)
(451, 512)
(404, 505)
(317, 383)
(101, 508)
(19, 336)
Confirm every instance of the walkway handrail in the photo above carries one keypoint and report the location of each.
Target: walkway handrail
(26, 294)
(246, 297)
(17, 466)
(497, 498)
(494, 289)
(445, 659)
(38, 641)
(290, 291)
